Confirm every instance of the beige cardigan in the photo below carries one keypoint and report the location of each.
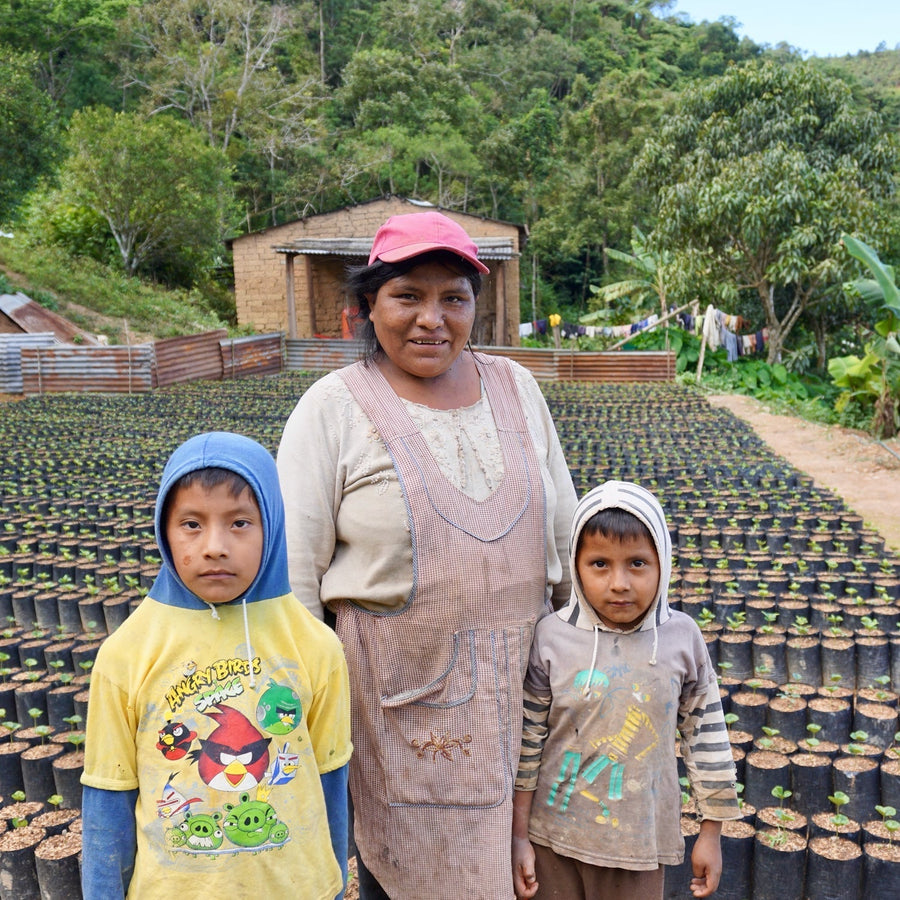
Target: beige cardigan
(347, 527)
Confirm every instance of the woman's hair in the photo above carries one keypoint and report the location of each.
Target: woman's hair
(616, 524)
(363, 281)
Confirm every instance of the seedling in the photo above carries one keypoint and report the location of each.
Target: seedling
(781, 794)
(55, 800)
(813, 729)
(767, 741)
(782, 815)
(838, 799)
(886, 812)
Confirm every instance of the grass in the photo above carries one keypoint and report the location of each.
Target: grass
(102, 300)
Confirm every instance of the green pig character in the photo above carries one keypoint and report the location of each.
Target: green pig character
(200, 833)
(251, 823)
(279, 709)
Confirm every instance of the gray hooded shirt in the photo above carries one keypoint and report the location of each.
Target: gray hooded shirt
(604, 709)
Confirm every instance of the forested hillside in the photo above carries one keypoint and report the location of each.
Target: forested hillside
(144, 135)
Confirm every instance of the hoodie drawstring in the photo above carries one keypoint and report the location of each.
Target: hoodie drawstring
(586, 691)
(249, 648)
(215, 615)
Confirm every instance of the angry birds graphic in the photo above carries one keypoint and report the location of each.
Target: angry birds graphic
(252, 823)
(279, 710)
(201, 833)
(284, 767)
(175, 740)
(235, 756)
(173, 801)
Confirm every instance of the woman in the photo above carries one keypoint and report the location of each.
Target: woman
(428, 505)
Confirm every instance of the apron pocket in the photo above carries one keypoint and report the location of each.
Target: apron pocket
(446, 743)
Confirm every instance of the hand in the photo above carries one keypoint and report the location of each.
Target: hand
(525, 881)
(706, 859)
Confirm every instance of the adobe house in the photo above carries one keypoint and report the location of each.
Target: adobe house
(290, 277)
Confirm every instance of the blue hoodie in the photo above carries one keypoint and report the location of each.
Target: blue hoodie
(110, 832)
(250, 460)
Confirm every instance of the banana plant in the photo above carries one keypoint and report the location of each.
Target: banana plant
(873, 380)
(649, 281)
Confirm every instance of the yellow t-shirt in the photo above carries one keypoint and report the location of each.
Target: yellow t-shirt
(225, 745)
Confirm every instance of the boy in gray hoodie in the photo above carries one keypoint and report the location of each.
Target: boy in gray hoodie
(611, 677)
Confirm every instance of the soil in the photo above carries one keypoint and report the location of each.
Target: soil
(864, 472)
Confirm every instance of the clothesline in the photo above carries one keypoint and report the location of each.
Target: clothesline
(718, 327)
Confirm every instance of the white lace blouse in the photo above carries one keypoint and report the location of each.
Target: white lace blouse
(347, 527)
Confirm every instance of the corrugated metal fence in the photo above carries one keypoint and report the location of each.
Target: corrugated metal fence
(11, 346)
(142, 367)
(546, 364)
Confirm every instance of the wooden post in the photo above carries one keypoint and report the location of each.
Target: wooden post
(291, 301)
(500, 304)
(310, 296)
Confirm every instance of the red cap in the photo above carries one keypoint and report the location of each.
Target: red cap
(406, 236)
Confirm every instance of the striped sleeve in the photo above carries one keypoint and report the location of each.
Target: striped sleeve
(536, 711)
(707, 755)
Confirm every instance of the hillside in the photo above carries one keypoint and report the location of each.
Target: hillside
(877, 76)
(104, 301)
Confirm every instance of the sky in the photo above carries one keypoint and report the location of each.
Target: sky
(817, 27)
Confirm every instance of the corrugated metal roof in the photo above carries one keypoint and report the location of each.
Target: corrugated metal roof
(33, 318)
(488, 247)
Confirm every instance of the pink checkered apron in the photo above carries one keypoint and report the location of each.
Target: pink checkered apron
(437, 684)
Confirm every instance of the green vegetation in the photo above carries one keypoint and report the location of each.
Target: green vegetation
(106, 300)
(634, 145)
(873, 383)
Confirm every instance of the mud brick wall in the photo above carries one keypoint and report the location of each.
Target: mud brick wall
(261, 285)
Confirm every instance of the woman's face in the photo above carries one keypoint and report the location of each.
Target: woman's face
(423, 319)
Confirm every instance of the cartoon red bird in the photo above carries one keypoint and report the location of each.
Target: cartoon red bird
(235, 756)
(175, 740)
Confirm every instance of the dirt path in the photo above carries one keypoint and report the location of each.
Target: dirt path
(863, 472)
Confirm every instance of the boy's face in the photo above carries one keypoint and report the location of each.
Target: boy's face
(619, 577)
(216, 540)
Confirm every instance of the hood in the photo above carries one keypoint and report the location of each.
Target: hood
(250, 460)
(641, 503)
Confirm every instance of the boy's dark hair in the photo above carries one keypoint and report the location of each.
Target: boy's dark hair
(209, 478)
(363, 280)
(616, 525)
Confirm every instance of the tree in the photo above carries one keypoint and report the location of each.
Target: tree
(156, 182)
(66, 36)
(28, 129)
(216, 63)
(648, 281)
(758, 172)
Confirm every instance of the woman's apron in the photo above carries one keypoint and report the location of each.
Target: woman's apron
(436, 686)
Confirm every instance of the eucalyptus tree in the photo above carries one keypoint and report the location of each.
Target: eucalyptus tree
(156, 183)
(217, 63)
(69, 39)
(759, 171)
(28, 129)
